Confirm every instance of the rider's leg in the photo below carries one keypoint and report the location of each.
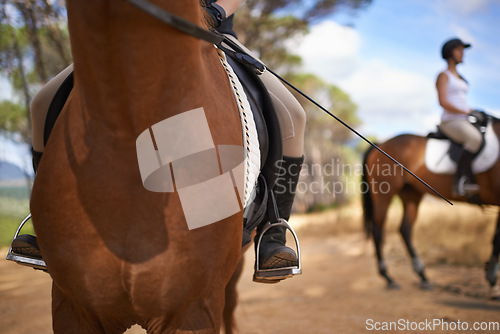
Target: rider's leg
(463, 132)
(26, 244)
(273, 251)
(40, 106)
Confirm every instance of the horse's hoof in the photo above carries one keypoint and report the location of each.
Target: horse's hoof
(494, 293)
(492, 270)
(426, 285)
(393, 286)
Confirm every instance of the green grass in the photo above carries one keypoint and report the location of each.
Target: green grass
(14, 206)
(8, 227)
(19, 193)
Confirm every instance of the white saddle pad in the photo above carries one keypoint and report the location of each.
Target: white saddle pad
(437, 159)
(250, 136)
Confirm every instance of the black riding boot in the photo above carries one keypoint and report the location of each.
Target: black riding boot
(26, 244)
(464, 182)
(273, 250)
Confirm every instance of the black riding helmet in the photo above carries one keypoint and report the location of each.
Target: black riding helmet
(446, 51)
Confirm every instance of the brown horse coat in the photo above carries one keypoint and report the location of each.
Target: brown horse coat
(118, 253)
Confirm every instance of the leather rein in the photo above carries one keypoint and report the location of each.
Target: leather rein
(194, 30)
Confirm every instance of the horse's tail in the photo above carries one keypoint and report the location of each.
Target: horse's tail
(366, 196)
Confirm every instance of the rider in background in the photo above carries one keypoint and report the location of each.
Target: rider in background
(452, 90)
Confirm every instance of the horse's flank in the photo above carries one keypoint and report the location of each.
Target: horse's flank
(119, 254)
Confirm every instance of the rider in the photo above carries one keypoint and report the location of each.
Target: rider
(452, 89)
(273, 251)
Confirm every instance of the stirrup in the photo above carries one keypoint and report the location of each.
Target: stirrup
(464, 187)
(38, 264)
(276, 274)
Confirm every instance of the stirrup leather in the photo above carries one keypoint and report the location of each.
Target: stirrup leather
(276, 274)
(24, 260)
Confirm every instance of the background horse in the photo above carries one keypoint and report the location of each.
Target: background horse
(119, 254)
(384, 179)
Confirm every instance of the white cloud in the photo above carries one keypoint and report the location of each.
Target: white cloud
(463, 33)
(330, 49)
(398, 99)
(402, 100)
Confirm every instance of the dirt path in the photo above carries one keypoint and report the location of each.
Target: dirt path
(339, 292)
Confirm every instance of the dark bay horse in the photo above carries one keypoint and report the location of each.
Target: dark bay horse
(383, 180)
(120, 254)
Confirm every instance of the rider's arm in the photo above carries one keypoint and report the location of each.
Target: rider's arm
(441, 82)
(221, 9)
(229, 6)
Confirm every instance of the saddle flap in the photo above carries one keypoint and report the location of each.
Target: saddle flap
(265, 119)
(439, 154)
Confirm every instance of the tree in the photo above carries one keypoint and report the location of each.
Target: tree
(328, 166)
(34, 45)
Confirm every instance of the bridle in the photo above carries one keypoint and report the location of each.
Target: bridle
(210, 36)
(219, 40)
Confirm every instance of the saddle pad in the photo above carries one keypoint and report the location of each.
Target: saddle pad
(438, 161)
(250, 136)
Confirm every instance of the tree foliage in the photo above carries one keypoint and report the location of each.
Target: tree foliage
(328, 159)
(266, 27)
(34, 45)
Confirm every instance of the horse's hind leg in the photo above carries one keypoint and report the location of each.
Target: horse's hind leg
(380, 207)
(492, 264)
(232, 299)
(66, 318)
(411, 201)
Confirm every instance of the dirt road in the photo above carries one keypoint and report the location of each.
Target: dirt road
(339, 292)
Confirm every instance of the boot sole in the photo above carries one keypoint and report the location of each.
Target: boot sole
(279, 268)
(26, 245)
(280, 260)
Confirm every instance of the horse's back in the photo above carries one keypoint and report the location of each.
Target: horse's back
(407, 149)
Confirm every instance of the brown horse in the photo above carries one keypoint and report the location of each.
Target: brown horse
(383, 180)
(118, 253)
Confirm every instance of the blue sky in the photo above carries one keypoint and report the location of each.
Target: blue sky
(387, 58)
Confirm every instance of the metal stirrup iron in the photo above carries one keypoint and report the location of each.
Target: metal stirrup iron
(278, 273)
(273, 275)
(38, 264)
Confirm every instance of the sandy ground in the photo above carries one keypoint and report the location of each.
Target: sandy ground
(339, 292)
